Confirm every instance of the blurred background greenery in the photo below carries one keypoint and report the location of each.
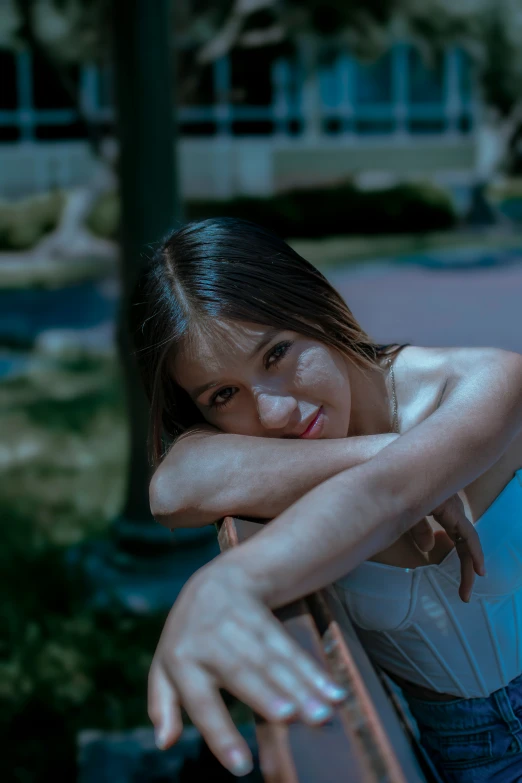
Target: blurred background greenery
(360, 131)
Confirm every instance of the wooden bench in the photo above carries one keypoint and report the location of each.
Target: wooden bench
(369, 739)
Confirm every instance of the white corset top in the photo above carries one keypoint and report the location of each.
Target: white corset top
(413, 623)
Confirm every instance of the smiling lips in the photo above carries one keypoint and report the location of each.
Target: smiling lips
(314, 428)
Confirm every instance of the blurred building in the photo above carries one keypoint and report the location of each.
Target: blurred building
(257, 125)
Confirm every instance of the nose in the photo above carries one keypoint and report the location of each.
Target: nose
(275, 411)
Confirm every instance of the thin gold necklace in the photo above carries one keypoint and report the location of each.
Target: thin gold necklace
(395, 417)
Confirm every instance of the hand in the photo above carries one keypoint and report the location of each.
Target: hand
(450, 516)
(219, 635)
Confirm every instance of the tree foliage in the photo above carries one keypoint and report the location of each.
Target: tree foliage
(489, 31)
(77, 30)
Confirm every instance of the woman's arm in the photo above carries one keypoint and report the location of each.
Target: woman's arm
(210, 474)
(361, 511)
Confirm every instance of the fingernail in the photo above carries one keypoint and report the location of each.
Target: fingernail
(317, 711)
(160, 737)
(330, 687)
(239, 764)
(334, 691)
(284, 709)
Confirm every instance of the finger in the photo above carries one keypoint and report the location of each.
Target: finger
(201, 698)
(467, 573)
(264, 668)
(245, 670)
(277, 694)
(470, 537)
(276, 690)
(423, 535)
(456, 524)
(311, 705)
(322, 681)
(297, 672)
(272, 701)
(283, 664)
(280, 645)
(163, 708)
(469, 549)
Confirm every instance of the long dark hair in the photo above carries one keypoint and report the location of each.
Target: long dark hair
(228, 269)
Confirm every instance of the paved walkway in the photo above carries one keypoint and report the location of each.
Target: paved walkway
(472, 307)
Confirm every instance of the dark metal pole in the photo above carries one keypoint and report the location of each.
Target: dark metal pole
(149, 198)
(143, 566)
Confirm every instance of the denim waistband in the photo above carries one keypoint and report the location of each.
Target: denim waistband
(504, 705)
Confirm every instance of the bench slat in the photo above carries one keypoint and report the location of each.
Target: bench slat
(355, 741)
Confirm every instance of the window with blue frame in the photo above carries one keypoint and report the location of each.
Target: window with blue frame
(196, 94)
(9, 130)
(331, 97)
(103, 98)
(54, 97)
(466, 90)
(373, 96)
(426, 93)
(251, 88)
(355, 96)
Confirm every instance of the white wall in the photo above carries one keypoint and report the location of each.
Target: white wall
(222, 168)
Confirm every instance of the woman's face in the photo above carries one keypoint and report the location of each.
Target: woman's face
(256, 380)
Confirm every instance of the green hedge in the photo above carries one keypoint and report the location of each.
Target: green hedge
(319, 212)
(23, 223)
(104, 217)
(341, 210)
(310, 213)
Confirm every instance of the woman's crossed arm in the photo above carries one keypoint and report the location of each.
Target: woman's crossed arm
(220, 633)
(208, 474)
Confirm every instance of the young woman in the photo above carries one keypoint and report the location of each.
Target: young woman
(269, 400)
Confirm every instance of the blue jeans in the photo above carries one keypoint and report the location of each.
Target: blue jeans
(474, 740)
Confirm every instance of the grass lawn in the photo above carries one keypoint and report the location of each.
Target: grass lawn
(63, 669)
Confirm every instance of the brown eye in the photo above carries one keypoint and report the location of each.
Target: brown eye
(277, 353)
(222, 397)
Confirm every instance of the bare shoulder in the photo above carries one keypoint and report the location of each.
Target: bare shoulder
(470, 370)
(465, 363)
(425, 376)
(458, 362)
(421, 378)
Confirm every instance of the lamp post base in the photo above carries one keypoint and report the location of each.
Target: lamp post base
(141, 573)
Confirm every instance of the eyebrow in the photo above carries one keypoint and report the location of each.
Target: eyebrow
(267, 338)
